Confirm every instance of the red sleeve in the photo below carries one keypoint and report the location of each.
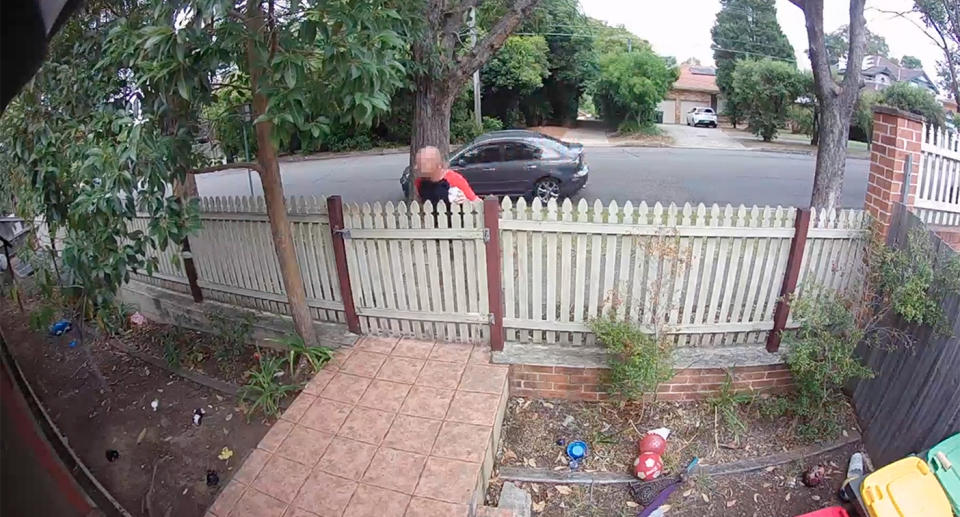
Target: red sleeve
(456, 180)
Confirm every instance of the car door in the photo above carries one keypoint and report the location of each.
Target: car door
(523, 163)
(481, 166)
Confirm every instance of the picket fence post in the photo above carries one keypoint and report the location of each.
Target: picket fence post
(491, 225)
(790, 278)
(335, 214)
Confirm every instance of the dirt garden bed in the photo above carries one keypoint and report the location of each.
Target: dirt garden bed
(163, 457)
(533, 430)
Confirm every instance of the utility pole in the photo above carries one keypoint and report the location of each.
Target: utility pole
(476, 73)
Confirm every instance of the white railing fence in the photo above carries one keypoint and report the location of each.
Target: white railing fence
(938, 181)
(707, 276)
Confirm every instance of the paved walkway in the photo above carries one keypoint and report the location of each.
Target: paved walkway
(390, 428)
(700, 137)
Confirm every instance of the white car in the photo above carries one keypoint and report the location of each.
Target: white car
(702, 117)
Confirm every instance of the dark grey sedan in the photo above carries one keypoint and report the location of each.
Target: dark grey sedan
(518, 162)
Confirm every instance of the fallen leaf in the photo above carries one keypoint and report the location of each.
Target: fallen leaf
(563, 490)
(228, 417)
(756, 498)
(548, 405)
(532, 462)
(559, 467)
(770, 468)
(538, 507)
(225, 454)
(705, 498)
(731, 503)
(687, 493)
(788, 497)
(815, 497)
(631, 504)
(141, 435)
(509, 455)
(535, 488)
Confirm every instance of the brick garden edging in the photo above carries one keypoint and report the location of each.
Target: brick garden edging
(576, 383)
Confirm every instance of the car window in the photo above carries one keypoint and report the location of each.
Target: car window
(707, 110)
(552, 149)
(513, 151)
(482, 154)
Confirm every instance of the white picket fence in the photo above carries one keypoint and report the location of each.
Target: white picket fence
(708, 276)
(938, 180)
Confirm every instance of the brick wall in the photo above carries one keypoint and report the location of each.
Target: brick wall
(562, 382)
(686, 95)
(896, 135)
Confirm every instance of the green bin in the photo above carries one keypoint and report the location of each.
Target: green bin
(947, 472)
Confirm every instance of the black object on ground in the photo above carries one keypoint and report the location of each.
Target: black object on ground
(212, 478)
(112, 455)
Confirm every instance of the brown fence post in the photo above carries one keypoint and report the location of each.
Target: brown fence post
(335, 214)
(790, 278)
(491, 225)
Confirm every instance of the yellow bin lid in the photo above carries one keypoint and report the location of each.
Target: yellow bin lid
(904, 488)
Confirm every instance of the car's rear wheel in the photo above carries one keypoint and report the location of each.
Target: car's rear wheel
(547, 189)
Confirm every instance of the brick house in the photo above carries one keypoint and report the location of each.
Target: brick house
(696, 87)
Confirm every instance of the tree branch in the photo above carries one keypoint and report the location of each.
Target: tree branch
(228, 166)
(819, 62)
(471, 61)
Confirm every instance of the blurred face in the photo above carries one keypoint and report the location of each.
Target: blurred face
(430, 164)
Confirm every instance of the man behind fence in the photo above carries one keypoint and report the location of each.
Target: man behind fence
(437, 183)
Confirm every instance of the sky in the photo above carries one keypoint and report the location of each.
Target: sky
(681, 28)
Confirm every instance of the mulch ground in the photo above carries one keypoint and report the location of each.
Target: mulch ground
(776, 492)
(116, 413)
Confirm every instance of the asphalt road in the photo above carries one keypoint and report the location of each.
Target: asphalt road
(616, 173)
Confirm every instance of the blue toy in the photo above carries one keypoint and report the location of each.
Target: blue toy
(576, 450)
(60, 327)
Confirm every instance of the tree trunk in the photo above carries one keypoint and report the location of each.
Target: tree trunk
(431, 116)
(273, 189)
(831, 159)
(815, 137)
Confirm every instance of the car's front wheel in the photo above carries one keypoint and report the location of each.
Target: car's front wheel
(547, 189)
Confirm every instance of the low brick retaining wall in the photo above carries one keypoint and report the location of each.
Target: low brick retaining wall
(574, 383)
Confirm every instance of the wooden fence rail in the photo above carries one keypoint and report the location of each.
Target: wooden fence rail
(707, 276)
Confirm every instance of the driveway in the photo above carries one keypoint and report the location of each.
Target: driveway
(699, 137)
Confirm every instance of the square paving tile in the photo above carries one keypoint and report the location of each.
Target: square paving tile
(400, 369)
(274, 437)
(396, 470)
(319, 381)
(427, 402)
(474, 408)
(370, 501)
(480, 354)
(452, 352)
(365, 364)
(227, 498)
(298, 407)
(483, 378)
(439, 374)
(298, 512)
(325, 495)
(421, 507)
(380, 345)
(412, 433)
(448, 480)
(384, 395)
(258, 504)
(465, 442)
(304, 445)
(346, 458)
(281, 478)
(251, 466)
(339, 357)
(413, 348)
(326, 415)
(367, 425)
(345, 388)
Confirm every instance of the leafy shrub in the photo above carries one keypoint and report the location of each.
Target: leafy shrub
(763, 91)
(630, 85)
(726, 403)
(915, 282)
(231, 334)
(42, 317)
(822, 359)
(915, 100)
(316, 356)
(263, 389)
(638, 363)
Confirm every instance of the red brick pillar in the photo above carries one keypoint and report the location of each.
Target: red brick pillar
(896, 135)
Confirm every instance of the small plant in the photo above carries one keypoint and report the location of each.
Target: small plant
(112, 317)
(772, 408)
(638, 362)
(726, 404)
(822, 359)
(232, 334)
(171, 340)
(317, 356)
(264, 389)
(42, 317)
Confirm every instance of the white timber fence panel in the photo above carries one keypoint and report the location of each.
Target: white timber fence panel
(938, 181)
(833, 258)
(418, 270)
(706, 276)
(236, 261)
